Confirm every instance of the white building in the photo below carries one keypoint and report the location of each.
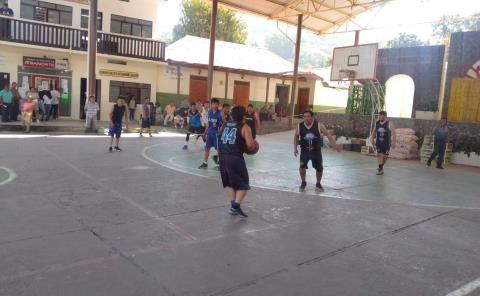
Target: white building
(45, 45)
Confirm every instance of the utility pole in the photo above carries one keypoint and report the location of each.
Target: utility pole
(92, 48)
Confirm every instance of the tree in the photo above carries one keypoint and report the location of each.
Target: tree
(449, 24)
(405, 40)
(195, 20)
(280, 45)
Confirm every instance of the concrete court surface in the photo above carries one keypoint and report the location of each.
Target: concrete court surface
(77, 220)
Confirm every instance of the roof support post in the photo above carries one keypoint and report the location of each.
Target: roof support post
(178, 84)
(295, 69)
(226, 87)
(211, 58)
(92, 48)
(268, 90)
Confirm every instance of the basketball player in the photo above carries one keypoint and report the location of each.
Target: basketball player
(236, 137)
(385, 138)
(251, 118)
(214, 123)
(119, 111)
(226, 113)
(309, 133)
(194, 120)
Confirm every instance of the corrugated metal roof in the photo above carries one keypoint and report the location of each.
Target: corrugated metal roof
(320, 16)
(195, 50)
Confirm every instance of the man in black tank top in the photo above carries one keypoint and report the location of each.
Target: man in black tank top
(119, 111)
(236, 137)
(385, 138)
(309, 133)
(252, 120)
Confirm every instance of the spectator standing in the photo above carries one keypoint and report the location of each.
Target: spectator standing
(35, 98)
(132, 105)
(440, 136)
(47, 101)
(27, 110)
(158, 111)
(15, 102)
(55, 103)
(251, 119)
(146, 115)
(91, 110)
(41, 103)
(169, 114)
(153, 113)
(6, 98)
(5, 27)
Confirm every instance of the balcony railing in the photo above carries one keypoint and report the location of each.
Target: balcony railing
(56, 36)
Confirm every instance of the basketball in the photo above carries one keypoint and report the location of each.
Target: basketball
(254, 151)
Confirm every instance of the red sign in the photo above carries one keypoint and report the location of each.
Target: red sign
(39, 63)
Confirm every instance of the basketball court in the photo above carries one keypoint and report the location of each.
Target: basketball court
(138, 223)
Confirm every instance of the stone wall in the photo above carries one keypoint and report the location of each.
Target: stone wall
(359, 125)
(423, 64)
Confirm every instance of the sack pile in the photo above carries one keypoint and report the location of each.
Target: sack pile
(406, 145)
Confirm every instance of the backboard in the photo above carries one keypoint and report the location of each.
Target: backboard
(354, 63)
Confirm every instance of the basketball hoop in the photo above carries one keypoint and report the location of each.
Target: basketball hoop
(346, 75)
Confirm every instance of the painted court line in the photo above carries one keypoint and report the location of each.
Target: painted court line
(179, 169)
(130, 201)
(467, 289)
(11, 176)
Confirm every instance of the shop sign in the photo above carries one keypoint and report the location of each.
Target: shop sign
(122, 74)
(61, 64)
(39, 63)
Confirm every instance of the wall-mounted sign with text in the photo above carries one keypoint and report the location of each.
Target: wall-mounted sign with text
(115, 73)
(39, 63)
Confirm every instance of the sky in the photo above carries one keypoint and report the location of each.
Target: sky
(385, 23)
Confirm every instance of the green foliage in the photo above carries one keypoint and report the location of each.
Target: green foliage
(467, 143)
(280, 45)
(195, 21)
(449, 24)
(405, 40)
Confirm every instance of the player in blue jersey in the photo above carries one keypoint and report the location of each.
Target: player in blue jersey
(214, 123)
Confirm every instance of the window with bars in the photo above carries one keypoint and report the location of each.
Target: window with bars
(130, 26)
(46, 12)
(84, 19)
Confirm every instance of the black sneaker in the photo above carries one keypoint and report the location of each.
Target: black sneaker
(215, 159)
(429, 164)
(117, 149)
(203, 166)
(240, 212)
(319, 187)
(379, 172)
(110, 150)
(232, 211)
(185, 147)
(303, 186)
(440, 167)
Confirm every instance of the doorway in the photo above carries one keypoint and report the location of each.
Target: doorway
(281, 99)
(83, 96)
(45, 82)
(302, 100)
(4, 79)
(241, 93)
(198, 89)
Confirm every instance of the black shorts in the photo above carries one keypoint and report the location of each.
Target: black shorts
(383, 148)
(315, 157)
(196, 130)
(234, 172)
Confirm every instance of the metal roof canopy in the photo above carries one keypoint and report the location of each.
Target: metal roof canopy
(319, 16)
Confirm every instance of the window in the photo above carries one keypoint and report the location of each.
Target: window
(127, 90)
(46, 12)
(84, 19)
(130, 26)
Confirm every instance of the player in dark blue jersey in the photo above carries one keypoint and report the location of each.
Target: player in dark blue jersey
(195, 127)
(385, 138)
(236, 137)
(214, 123)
